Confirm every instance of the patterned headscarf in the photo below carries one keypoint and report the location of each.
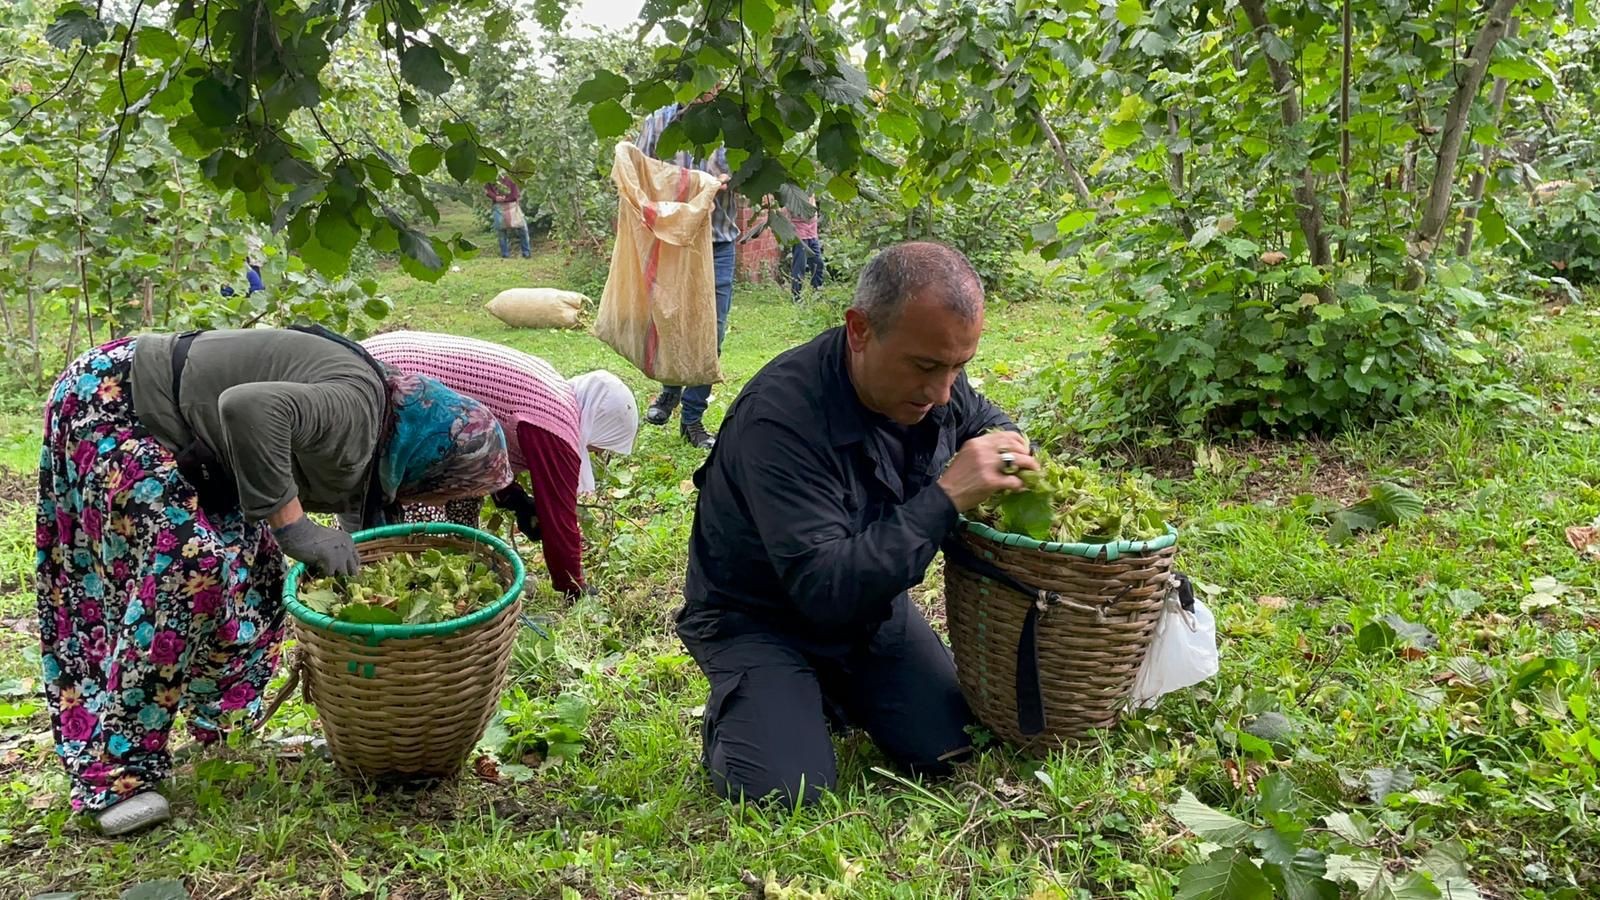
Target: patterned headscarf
(443, 446)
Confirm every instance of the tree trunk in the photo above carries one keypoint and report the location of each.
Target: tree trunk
(1175, 177)
(1437, 207)
(1308, 207)
(1078, 184)
(1344, 135)
(1480, 181)
(33, 328)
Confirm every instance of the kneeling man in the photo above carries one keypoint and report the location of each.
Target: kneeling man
(839, 471)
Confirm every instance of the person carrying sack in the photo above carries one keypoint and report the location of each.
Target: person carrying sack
(508, 218)
(724, 237)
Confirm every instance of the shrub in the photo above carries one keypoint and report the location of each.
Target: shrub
(1560, 231)
(1210, 340)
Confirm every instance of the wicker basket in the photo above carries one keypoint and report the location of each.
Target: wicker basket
(1049, 637)
(408, 701)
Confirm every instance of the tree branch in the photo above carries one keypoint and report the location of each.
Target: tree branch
(1426, 237)
(1480, 181)
(1078, 184)
(1308, 207)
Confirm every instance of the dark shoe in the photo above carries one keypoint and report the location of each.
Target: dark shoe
(697, 436)
(662, 408)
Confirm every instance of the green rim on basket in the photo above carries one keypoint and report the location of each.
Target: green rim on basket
(1089, 551)
(375, 632)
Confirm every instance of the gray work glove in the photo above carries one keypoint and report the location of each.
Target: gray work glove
(328, 550)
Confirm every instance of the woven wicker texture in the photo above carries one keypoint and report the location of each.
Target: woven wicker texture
(1091, 642)
(409, 707)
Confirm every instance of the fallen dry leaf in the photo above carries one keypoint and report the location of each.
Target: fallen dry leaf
(1246, 778)
(1585, 539)
(1273, 257)
(1272, 602)
(42, 800)
(1413, 653)
(487, 769)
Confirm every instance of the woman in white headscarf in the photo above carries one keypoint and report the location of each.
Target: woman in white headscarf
(553, 428)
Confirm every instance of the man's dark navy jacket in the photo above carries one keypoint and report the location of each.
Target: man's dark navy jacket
(804, 525)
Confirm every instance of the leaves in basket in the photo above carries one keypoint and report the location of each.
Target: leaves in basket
(1072, 504)
(368, 614)
(409, 589)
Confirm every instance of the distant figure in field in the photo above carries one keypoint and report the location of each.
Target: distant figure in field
(807, 248)
(506, 198)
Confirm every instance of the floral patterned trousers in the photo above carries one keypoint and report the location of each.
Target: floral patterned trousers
(148, 606)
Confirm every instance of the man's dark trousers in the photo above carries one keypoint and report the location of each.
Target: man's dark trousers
(766, 725)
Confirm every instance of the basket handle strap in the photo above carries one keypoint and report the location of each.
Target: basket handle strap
(1030, 699)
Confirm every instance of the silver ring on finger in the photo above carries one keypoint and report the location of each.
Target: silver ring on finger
(1008, 462)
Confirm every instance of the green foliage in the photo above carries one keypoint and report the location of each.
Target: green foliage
(1281, 854)
(534, 733)
(1561, 232)
(1071, 504)
(96, 245)
(528, 109)
(407, 589)
(1209, 342)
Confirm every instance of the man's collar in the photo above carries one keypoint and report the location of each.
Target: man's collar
(847, 418)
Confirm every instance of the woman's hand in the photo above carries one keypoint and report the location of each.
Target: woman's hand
(328, 550)
(515, 499)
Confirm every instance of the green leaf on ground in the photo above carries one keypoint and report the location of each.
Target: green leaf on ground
(1224, 877)
(1381, 782)
(166, 889)
(1211, 824)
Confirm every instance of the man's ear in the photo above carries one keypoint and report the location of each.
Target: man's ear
(857, 329)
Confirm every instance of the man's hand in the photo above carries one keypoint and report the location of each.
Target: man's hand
(722, 183)
(978, 472)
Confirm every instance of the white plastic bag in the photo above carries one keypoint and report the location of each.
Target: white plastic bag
(1183, 652)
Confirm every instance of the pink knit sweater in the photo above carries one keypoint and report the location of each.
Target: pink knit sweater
(516, 387)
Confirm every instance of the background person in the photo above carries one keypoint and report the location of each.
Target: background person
(807, 248)
(506, 199)
(553, 427)
(724, 235)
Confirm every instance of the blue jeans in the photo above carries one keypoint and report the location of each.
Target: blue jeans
(695, 399)
(505, 236)
(807, 255)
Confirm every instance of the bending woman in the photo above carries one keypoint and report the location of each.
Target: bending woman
(176, 472)
(552, 428)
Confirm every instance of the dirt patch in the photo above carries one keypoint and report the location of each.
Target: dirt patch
(1270, 471)
(1284, 471)
(18, 487)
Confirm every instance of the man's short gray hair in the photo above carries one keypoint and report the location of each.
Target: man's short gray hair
(917, 268)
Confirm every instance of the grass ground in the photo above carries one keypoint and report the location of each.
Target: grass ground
(1465, 748)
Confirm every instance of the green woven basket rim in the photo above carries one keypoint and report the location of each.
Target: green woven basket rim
(1090, 551)
(377, 632)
